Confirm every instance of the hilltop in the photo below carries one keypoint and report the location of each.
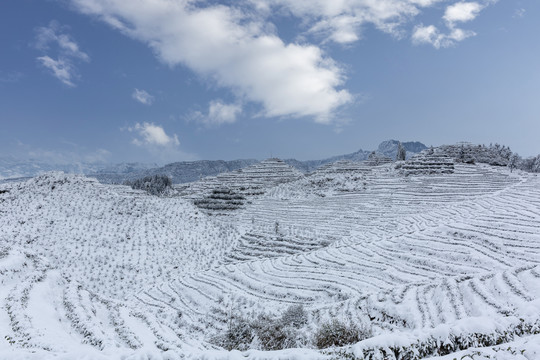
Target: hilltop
(427, 256)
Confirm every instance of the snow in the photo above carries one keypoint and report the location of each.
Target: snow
(526, 348)
(94, 271)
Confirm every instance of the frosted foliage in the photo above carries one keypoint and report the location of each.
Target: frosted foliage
(154, 185)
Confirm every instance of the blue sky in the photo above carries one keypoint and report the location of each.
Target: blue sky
(170, 80)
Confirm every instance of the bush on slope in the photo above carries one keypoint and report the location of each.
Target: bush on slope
(154, 185)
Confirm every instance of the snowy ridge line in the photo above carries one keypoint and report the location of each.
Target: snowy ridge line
(78, 218)
(440, 341)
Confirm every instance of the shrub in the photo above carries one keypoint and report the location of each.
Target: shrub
(336, 333)
(295, 316)
(272, 334)
(266, 331)
(154, 185)
(238, 336)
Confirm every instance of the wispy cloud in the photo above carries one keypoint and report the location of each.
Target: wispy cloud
(342, 21)
(10, 76)
(62, 69)
(54, 38)
(143, 97)
(519, 13)
(70, 154)
(152, 135)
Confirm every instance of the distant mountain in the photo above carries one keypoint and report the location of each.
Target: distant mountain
(387, 148)
(13, 168)
(126, 168)
(185, 171)
(179, 172)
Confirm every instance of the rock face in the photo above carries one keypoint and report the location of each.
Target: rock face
(389, 148)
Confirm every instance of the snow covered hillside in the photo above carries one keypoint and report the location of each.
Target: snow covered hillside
(421, 258)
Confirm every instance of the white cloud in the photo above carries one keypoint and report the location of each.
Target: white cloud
(426, 35)
(153, 135)
(459, 12)
(462, 12)
(235, 45)
(219, 113)
(142, 96)
(431, 35)
(234, 50)
(63, 68)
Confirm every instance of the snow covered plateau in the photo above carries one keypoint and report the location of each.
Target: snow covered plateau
(426, 258)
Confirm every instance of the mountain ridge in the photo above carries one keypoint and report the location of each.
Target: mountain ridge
(182, 171)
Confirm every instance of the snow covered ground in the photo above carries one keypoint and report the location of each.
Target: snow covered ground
(431, 262)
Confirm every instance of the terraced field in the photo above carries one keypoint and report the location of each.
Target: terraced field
(422, 258)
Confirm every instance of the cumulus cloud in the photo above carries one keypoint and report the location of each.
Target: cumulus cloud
(235, 45)
(221, 113)
(462, 12)
(143, 97)
(54, 38)
(153, 135)
(234, 50)
(218, 113)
